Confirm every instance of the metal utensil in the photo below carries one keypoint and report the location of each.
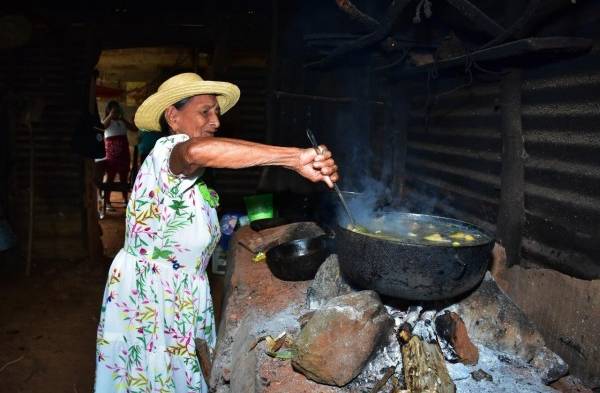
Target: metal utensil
(315, 145)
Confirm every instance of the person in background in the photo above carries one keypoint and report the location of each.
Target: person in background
(118, 159)
(157, 302)
(133, 139)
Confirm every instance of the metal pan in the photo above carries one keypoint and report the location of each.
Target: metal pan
(298, 260)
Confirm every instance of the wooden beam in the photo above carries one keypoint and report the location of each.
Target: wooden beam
(348, 7)
(516, 53)
(394, 11)
(339, 100)
(478, 17)
(517, 28)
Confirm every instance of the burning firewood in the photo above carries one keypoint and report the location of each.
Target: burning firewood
(424, 365)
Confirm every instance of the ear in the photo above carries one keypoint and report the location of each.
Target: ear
(172, 117)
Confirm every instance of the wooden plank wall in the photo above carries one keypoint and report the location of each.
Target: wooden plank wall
(46, 82)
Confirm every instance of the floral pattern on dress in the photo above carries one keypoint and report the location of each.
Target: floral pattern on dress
(157, 297)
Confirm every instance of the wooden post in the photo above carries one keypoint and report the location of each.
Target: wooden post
(512, 207)
(396, 128)
(31, 195)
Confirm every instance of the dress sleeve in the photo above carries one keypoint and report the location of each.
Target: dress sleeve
(169, 183)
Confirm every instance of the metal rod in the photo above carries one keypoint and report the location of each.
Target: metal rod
(315, 145)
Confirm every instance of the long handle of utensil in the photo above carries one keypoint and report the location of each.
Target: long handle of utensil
(315, 145)
(337, 189)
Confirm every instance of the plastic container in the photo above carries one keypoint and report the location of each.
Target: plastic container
(259, 206)
(228, 223)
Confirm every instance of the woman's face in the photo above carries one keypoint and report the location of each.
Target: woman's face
(199, 117)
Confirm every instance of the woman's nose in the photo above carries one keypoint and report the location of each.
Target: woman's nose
(214, 121)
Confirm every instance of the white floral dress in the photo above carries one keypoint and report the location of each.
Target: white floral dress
(157, 298)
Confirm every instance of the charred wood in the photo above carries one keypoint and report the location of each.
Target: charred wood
(381, 383)
(479, 375)
(348, 7)
(451, 331)
(404, 333)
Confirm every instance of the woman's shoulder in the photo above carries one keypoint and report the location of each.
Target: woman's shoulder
(164, 145)
(172, 140)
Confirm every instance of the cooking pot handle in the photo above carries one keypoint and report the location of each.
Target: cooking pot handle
(330, 243)
(329, 232)
(463, 268)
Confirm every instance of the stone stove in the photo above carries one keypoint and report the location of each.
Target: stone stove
(257, 304)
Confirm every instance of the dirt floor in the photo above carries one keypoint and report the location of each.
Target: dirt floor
(48, 321)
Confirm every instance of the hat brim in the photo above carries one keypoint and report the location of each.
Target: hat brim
(148, 115)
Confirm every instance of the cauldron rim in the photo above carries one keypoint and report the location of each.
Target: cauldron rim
(487, 238)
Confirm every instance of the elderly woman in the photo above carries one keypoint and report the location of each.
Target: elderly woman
(157, 298)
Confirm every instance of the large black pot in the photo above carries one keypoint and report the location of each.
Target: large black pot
(413, 271)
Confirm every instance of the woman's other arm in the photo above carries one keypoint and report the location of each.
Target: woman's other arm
(106, 121)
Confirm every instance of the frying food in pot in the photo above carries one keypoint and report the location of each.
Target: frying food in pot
(436, 238)
(402, 229)
(462, 236)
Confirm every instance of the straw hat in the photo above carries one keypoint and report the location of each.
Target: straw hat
(177, 88)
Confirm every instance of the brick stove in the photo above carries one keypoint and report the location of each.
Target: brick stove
(512, 356)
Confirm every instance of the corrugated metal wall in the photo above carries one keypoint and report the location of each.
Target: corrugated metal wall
(454, 151)
(48, 78)
(454, 163)
(561, 128)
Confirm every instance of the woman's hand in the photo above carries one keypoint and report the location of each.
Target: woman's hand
(110, 117)
(318, 166)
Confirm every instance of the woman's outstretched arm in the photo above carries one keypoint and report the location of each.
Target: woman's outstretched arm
(212, 152)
